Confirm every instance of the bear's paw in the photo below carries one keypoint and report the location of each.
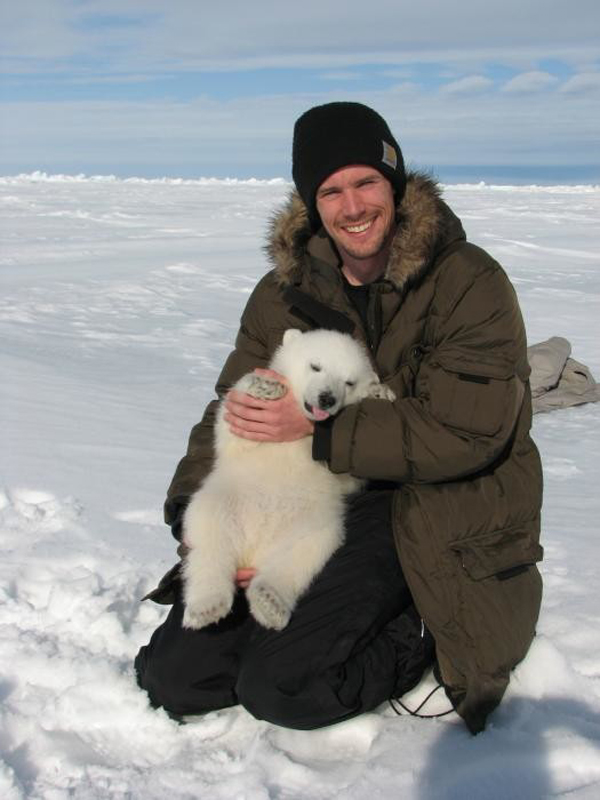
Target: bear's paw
(379, 391)
(263, 388)
(266, 605)
(204, 611)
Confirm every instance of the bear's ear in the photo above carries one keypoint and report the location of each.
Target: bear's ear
(291, 334)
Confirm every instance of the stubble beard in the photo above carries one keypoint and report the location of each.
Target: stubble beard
(368, 250)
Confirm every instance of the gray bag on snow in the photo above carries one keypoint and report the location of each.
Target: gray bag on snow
(558, 381)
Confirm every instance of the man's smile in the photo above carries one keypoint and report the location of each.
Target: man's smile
(358, 228)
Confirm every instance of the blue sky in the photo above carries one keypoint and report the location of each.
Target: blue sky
(190, 88)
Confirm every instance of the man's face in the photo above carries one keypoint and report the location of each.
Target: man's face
(357, 209)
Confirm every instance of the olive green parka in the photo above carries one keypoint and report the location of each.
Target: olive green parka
(446, 334)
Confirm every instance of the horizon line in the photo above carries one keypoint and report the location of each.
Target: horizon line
(41, 176)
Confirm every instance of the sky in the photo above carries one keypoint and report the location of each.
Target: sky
(476, 89)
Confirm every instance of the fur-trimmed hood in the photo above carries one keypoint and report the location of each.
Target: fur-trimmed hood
(425, 225)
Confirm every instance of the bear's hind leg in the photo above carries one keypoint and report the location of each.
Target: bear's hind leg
(208, 596)
(288, 571)
(209, 567)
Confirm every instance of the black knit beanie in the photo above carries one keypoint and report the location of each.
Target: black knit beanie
(336, 135)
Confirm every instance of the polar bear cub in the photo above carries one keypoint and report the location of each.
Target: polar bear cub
(269, 505)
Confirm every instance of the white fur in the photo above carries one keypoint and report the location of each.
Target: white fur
(270, 506)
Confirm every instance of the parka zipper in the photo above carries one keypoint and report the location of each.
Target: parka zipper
(374, 318)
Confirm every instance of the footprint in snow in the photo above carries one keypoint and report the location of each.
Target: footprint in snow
(36, 511)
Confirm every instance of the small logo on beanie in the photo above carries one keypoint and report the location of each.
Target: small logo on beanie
(389, 156)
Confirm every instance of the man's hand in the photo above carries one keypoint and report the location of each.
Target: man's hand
(266, 420)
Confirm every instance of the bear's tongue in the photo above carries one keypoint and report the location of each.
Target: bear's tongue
(319, 414)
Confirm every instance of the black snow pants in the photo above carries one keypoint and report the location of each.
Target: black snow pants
(354, 640)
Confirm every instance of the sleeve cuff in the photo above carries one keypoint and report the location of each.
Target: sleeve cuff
(321, 447)
(174, 511)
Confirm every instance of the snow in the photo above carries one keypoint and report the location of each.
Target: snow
(119, 301)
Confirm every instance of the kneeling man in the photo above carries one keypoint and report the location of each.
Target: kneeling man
(439, 558)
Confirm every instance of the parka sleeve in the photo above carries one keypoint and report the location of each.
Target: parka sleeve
(250, 351)
(469, 390)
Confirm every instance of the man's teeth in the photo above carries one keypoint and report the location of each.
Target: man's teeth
(359, 228)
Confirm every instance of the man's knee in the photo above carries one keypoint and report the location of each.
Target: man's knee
(257, 691)
(288, 696)
(157, 675)
(171, 684)
(272, 697)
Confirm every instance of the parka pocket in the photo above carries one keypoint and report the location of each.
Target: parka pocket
(402, 378)
(501, 553)
(471, 397)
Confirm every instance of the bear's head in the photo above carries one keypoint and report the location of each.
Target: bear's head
(327, 371)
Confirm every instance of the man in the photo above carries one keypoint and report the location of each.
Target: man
(439, 559)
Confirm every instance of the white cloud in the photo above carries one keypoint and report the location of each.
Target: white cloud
(468, 85)
(341, 75)
(200, 34)
(398, 74)
(582, 83)
(407, 88)
(535, 81)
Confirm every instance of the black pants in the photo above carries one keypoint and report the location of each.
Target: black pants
(354, 640)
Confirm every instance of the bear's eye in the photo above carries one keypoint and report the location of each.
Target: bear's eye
(351, 384)
(315, 368)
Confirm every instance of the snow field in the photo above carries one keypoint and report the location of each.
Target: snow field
(119, 302)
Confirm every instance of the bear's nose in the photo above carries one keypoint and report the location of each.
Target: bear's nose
(326, 400)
